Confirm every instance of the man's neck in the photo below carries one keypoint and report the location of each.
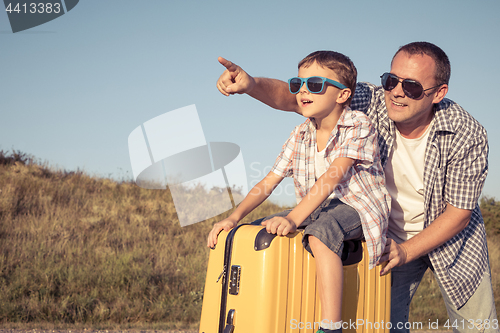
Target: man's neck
(412, 131)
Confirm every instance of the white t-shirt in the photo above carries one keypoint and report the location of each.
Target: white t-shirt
(405, 182)
(320, 165)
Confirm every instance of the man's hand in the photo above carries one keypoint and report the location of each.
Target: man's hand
(446, 226)
(234, 80)
(226, 224)
(395, 254)
(280, 226)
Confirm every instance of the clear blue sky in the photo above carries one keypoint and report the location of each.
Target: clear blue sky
(73, 89)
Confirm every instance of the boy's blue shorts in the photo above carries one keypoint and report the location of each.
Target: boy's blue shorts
(332, 223)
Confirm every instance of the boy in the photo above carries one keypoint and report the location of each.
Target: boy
(339, 181)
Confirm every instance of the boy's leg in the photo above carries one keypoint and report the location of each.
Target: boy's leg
(326, 229)
(329, 274)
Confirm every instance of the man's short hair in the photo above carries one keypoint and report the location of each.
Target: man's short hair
(342, 66)
(443, 67)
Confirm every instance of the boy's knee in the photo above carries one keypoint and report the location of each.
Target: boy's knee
(314, 242)
(317, 245)
(320, 249)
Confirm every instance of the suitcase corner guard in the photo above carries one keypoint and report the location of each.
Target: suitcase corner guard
(263, 240)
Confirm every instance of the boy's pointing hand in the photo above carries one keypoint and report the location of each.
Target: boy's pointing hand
(234, 80)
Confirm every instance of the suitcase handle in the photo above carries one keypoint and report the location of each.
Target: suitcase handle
(352, 253)
(229, 322)
(263, 240)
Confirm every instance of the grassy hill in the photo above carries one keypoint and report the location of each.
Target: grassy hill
(82, 251)
(428, 302)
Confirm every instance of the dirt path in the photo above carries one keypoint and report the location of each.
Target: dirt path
(146, 331)
(94, 331)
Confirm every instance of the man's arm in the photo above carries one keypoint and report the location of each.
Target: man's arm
(445, 227)
(275, 93)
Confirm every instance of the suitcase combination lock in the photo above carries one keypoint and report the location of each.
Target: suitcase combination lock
(234, 282)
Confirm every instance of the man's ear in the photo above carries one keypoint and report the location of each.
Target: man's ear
(343, 96)
(440, 93)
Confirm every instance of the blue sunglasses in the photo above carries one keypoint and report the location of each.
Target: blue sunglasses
(314, 84)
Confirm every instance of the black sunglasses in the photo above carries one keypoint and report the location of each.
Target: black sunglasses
(413, 89)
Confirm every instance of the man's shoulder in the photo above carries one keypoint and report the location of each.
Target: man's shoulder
(450, 114)
(365, 85)
(368, 98)
(363, 89)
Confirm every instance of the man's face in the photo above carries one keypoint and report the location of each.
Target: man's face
(412, 116)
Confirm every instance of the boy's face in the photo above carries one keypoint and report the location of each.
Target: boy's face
(318, 106)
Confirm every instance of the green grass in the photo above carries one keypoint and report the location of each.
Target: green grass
(79, 251)
(428, 303)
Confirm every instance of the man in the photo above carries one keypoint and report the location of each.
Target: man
(435, 158)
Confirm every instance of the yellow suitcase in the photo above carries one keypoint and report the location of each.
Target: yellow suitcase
(258, 282)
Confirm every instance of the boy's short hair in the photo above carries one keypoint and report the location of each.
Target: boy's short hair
(342, 66)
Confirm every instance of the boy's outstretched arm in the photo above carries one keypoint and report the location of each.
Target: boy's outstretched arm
(275, 93)
(323, 187)
(254, 198)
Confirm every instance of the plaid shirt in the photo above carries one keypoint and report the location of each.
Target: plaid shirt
(363, 186)
(456, 164)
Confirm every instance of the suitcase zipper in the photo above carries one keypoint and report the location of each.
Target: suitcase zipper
(222, 274)
(225, 286)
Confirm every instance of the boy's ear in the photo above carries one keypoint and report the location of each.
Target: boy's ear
(343, 96)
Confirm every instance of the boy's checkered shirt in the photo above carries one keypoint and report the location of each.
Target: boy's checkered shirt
(362, 188)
